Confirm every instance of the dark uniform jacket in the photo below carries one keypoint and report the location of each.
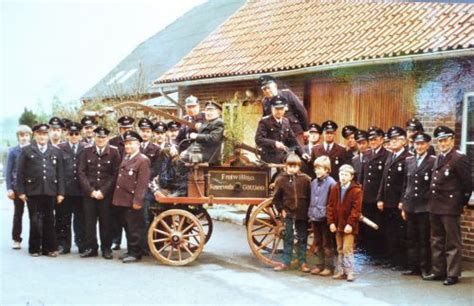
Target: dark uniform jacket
(132, 181)
(38, 173)
(209, 140)
(372, 172)
(296, 113)
(12, 165)
(337, 155)
(71, 168)
(350, 154)
(345, 211)
(152, 151)
(293, 193)
(357, 163)
(451, 184)
(391, 187)
(416, 184)
(270, 131)
(117, 142)
(184, 131)
(99, 172)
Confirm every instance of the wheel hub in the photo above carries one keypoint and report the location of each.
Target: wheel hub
(176, 237)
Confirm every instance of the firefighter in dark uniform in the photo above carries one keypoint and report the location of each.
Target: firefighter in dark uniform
(40, 184)
(416, 187)
(147, 147)
(362, 140)
(348, 133)
(296, 112)
(314, 135)
(275, 136)
(209, 136)
(372, 172)
(451, 188)
(389, 197)
(125, 123)
(129, 194)
(55, 131)
(159, 129)
(335, 152)
(98, 167)
(413, 127)
(72, 204)
(88, 127)
(193, 115)
(152, 151)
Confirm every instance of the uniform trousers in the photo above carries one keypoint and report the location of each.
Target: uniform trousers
(134, 227)
(446, 248)
(98, 210)
(42, 234)
(70, 208)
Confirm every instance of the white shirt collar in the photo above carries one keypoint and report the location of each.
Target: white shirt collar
(134, 154)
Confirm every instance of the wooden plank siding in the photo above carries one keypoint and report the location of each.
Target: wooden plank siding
(381, 101)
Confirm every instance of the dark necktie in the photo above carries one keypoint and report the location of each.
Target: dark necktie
(441, 159)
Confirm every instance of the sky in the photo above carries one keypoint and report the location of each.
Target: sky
(64, 47)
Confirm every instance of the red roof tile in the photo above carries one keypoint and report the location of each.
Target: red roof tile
(276, 35)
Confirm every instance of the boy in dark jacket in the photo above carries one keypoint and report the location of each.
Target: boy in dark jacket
(291, 198)
(343, 213)
(23, 134)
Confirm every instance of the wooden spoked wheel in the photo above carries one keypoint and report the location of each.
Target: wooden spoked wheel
(176, 237)
(205, 220)
(265, 233)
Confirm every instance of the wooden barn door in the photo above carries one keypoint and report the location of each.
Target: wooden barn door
(380, 101)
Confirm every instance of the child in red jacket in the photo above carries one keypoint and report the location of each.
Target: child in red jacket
(343, 212)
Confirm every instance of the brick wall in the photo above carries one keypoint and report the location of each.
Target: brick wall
(467, 234)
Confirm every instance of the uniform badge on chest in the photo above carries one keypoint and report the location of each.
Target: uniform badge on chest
(426, 177)
(446, 173)
(337, 161)
(399, 167)
(130, 172)
(380, 167)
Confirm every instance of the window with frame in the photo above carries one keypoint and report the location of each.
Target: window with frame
(467, 132)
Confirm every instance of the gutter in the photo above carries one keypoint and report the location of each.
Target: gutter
(278, 74)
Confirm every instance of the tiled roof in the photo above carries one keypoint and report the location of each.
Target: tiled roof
(277, 35)
(135, 73)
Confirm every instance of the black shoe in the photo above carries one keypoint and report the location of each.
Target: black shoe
(387, 266)
(116, 247)
(107, 254)
(433, 277)
(130, 259)
(89, 253)
(411, 272)
(451, 280)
